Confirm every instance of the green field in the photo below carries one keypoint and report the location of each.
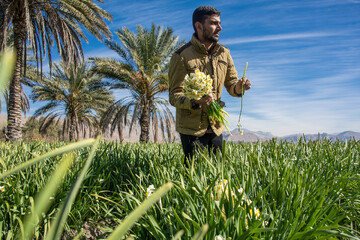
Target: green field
(266, 190)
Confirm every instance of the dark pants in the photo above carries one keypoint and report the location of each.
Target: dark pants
(191, 143)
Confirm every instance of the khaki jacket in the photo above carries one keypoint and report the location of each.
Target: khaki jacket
(219, 65)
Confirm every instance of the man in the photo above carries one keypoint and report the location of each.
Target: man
(203, 52)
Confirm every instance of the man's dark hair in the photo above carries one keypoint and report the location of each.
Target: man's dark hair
(201, 13)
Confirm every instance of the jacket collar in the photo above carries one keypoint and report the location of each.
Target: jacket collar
(200, 47)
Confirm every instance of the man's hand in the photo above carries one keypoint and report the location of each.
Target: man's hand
(206, 101)
(245, 82)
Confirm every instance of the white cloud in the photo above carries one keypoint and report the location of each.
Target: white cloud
(328, 106)
(278, 37)
(103, 52)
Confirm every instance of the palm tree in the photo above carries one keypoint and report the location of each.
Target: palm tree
(115, 118)
(40, 24)
(4, 91)
(165, 121)
(142, 70)
(75, 96)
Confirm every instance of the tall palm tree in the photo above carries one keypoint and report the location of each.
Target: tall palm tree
(76, 96)
(141, 69)
(40, 24)
(4, 90)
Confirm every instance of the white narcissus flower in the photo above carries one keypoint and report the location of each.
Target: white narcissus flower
(197, 85)
(150, 190)
(2, 189)
(241, 190)
(265, 223)
(219, 190)
(257, 212)
(219, 237)
(101, 180)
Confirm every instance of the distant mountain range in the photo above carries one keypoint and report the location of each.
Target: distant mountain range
(248, 136)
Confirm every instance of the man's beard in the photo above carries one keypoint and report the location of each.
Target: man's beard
(211, 37)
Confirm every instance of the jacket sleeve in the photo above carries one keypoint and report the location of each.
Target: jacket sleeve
(177, 72)
(231, 78)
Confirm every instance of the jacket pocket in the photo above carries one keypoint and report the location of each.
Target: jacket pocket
(223, 62)
(222, 66)
(192, 68)
(190, 119)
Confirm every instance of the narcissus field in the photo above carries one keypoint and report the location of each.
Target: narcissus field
(105, 190)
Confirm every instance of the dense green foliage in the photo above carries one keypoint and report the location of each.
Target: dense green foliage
(303, 190)
(31, 130)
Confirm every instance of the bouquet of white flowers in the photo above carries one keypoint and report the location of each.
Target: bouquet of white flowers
(198, 85)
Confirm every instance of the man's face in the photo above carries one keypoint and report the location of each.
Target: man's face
(211, 28)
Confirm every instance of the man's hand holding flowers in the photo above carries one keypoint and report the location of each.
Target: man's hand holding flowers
(206, 100)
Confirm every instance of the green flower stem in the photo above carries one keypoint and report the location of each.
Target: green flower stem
(216, 112)
(242, 98)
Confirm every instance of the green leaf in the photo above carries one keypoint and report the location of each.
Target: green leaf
(42, 202)
(7, 64)
(130, 220)
(60, 219)
(201, 233)
(178, 235)
(59, 151)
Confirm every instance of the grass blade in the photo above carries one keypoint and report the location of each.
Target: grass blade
(42, 199)
(55, 152)
(60, 219)
(178, 235)
(130, 220)
(7, 64)
(201, 233)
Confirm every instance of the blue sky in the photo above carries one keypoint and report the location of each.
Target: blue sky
(304, 57)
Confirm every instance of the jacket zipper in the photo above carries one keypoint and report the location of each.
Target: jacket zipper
(211, 64)
(212, 74)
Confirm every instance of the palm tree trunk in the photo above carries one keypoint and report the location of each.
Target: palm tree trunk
(14, 107)
(78, 132)
(145, 122)
(72, 128)
(121, 130)
(155, 124)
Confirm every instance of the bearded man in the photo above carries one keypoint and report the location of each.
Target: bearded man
(204, 53)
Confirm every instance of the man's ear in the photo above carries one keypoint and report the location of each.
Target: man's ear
(198, 26)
